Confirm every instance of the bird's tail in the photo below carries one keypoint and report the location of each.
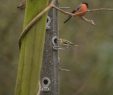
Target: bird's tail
(67, 19)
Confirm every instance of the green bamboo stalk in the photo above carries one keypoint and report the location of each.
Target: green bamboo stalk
(31, 51)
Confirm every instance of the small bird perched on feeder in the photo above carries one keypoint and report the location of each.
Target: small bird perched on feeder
(66, 43)
(80, 11)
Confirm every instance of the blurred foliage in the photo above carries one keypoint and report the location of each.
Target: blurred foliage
(10, 26)
(90, 64)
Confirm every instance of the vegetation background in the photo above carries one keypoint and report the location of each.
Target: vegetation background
(90, 64)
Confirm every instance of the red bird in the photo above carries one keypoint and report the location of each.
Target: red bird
(80, 11)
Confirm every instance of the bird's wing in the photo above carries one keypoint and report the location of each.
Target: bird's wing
(76, 9)
(72, 12)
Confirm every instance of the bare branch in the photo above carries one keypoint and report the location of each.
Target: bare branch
(62, 11)
(64, 69)
(100, 9)
(88, 20)
(64, 7)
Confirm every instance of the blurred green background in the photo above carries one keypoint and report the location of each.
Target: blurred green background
(90, 64)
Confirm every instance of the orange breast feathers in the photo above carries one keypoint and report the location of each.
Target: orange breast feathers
(82, 10)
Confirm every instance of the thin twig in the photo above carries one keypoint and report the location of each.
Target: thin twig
(88, 20)
(62, 11)
(100, 9)
(64, 69)
(64, 7)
